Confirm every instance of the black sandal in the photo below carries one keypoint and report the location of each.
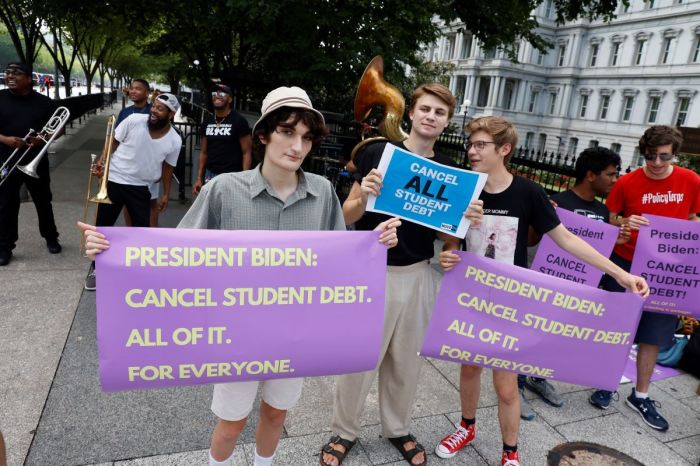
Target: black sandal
(340, 456)
(408, 455)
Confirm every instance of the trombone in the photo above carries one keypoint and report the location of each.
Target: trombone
(48, 133)
(100, 196)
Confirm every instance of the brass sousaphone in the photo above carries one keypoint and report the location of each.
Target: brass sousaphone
(375, 90)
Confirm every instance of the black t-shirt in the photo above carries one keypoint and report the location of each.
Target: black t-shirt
(507, 215)
(415, 241)
(224, 154)
(19, 114)
(594, 210)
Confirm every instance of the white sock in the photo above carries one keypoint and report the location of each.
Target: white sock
(213, 462)
(262, 461)
(640, 394)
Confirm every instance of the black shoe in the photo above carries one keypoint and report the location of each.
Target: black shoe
(5, 257)
(53, 246)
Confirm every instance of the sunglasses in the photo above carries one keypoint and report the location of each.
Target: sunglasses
(15, 72)
(219, 94)
(665, 157)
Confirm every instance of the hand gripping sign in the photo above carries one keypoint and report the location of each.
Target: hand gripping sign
(504, 317)
(425, 192)
(183, 307)
(667, 255)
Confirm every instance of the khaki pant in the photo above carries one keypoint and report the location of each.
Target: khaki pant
(410, 296)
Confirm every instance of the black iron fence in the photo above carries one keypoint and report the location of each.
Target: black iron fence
(83, 105)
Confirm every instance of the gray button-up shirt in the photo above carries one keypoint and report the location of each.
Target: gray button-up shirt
(245, 201)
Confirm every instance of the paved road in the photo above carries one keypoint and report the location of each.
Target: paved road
(53, 412)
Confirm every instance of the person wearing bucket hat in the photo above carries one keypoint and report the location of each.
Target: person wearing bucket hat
(147, 149)
(225, 140)
(276, 195)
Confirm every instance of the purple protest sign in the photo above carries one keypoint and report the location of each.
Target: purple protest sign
(552, 260)
(667, 255)
(500, 316)
(660, 372)
(183, 307)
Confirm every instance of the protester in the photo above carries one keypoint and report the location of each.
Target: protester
(276, 195)
(511, 204)
(658, 188)
(147, 148)
(596, 172)
(22, 109)
(138, 91)
(410, 292)
(226, 142)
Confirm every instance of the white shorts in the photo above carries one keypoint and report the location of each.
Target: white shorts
(234, 401)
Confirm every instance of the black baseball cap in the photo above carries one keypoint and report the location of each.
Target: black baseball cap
(23, 67)
(224, 88)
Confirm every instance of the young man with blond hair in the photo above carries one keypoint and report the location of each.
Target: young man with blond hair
(410, 292)
(511, 205)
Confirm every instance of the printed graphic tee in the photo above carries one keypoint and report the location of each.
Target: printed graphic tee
(507, 215)
(676, 196)
(224, 153)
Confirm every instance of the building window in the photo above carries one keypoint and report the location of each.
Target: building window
(459, 91)
(543, 143)
(617, 148)
(573, 146)
(637, 159)
(639, 56)
(466, 47)
(582, 106)
(666, 53)
(552, 103)
(592, 143)
(490, 54)
(548, 8)
(682, 112)
(615, 54)
(528, 139)
(696, 50)
(604, 104)
(509, 94)
(649, 4)
(483, 98)
(540, 58)
(532, 106)
(449, 47)
(594, 55)
(627, 106)
(654, 104)
(562, 55)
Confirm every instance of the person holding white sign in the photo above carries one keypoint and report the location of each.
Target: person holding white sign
(511, 205)
(410, 291)
(658, 188)
(277, 195)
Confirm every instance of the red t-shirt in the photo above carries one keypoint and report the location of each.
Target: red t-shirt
(676, 196)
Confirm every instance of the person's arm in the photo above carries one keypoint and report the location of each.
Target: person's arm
(95, 242)
(356, 203)
(247, 151)
(167, 175)
(12, 141)
(201, 166)
(584, 251)
(99, 166)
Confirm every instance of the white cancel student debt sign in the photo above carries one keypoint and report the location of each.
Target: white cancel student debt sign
(425, 192)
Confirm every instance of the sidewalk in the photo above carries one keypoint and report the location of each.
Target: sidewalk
(52, 411)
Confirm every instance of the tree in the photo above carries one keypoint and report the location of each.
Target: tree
(23, 24)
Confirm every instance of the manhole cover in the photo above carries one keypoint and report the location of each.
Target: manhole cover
(588, 454)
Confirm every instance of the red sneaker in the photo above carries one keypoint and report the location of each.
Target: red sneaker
(510, 459)
(460, 438)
